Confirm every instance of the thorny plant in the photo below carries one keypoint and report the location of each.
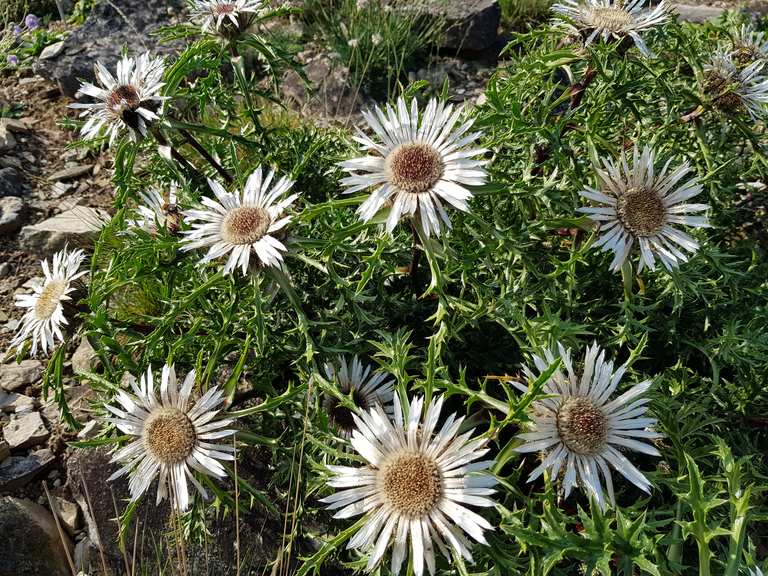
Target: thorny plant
(517, 273)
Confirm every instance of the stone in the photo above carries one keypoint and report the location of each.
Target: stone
(697, 13)
(5, 451)
(69, 514)
(7, 140)
(33, 545)
(27, 429)
(82, 557)
(17, 471)
(76, 227)
(25, 373)
(13, 402)
(91, 429)
(469, 25)
(84, 358)
(77, 398)
(12, 210)
(13, 125)
(10, 182)
(110, 25)
(52, 51)
(71, 173)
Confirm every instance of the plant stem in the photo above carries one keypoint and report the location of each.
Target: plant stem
(415, 256)
(175, 154)
(192, 141)
(578, 89)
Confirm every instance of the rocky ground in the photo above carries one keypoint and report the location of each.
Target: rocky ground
(52, 194)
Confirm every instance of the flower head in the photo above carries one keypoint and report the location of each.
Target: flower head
(581, 431)
(366, 389)
(156, 211)
(32, 22)
(734, 91)
(416, 485)
(128, 101)
(418, 162)
(612, 20)
(241, 223)
(213, 14)
(639, 205)
(12, 60)
(45, 312)
(171, 439)
(748, 45)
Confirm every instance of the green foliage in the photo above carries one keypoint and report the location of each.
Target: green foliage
(517, 14)
(517, 273)
(376, 40)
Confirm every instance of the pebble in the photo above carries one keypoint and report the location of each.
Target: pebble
(71, 173)
(17, 471)
(26, 430)
(15, 376)
(12, 211)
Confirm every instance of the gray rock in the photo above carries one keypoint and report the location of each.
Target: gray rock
(697, 13)
(5, 451)
(17, 471)
(110, 26)
(15, 376)
(12, 211)
(76, 227)
(69, 514)
(10, 182)
(82, 557)
(7, 140)
(13, 402)
(35, 547)
(84, 358)
(52, 51)
(13, 125)
(26, 430)
(470, 25)
(71, 173)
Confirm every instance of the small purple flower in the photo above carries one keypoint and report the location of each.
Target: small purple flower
(32, 21)
(13, 60)
(17, 31)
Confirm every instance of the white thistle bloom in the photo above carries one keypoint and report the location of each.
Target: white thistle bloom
(581, 430)
(748, 45)
(130, 100)
(612, 20)
(211, 14)
(639, 205)
(732, 90)
(419, 163)
(172, 439)
(416, 485)
(241, 223)
(154, 211)
(367, 390)
(755, 571)
(45, 313)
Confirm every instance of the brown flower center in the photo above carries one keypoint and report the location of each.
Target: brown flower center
(49, 298)
(720, 90)
(122, 98)
(642, 211)
(412, 484)
(220, 9)
(245, 225)
(582, 426)
(414, 167)
(169, 435)
(610, 18)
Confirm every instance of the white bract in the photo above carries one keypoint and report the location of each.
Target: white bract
(734, 90)
(171, 439)
(212, 14)
(580, 430)
(416, 485)
(130, 100)
(612, 20)
(641, 206)
(242, 223)
(44, 317)
(416, 163)
(367, 390)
